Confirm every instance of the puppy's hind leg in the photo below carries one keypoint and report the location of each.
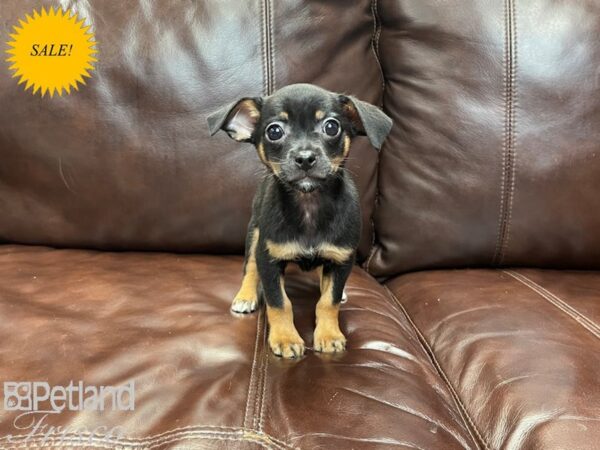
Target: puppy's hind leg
(247, 299)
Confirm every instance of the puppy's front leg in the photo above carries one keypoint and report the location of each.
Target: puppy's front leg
(284, 339)
(328, 337)
(246, 300)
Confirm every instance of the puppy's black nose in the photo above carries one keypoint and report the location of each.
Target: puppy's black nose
(305, 159)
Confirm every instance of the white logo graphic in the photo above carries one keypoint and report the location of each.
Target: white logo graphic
(40, 396)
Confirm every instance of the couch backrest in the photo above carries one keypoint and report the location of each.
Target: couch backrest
(127, 162)
(494, 158)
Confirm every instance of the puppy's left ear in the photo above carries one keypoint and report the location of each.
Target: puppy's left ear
(368, 120)
(238, 119)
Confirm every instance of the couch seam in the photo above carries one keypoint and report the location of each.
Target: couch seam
(254, 361)
(258, 400)
(263, 48)
(375, 47)
(267, 44)
(264, 386)
(203, 432)
(557, 302)
(271, 46)
(111, 444)
(462, 410)
(507, 183)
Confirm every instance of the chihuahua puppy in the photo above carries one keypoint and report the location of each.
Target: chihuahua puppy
(306, 210)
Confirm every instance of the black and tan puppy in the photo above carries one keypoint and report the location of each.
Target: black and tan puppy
(307, 209)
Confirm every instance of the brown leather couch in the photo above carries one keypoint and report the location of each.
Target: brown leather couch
(473, 319)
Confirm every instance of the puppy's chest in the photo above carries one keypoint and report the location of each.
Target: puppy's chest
(295, 250)
(308, 210)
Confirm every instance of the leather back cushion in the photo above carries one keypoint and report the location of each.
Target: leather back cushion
(494, 158)
(127, 162)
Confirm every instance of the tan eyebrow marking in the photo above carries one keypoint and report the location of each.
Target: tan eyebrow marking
(284, 115)
(319, 114)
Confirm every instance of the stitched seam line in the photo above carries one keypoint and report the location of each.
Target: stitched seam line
(263, 48)
(507, 184)
(198, 428)
(235, 434)
(254, 361)
(271, 46)
(264, 389)
(581, 319)
(267, 42)
(263, 386)
(111, 444)
(375, 48)
(258, 401)
(462, 410)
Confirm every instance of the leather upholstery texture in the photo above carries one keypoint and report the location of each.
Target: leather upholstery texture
(122, 224)
(203, 377)
(127, 163)
(520, 347)
(495, 152)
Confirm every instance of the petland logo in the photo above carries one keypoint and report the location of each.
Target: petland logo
(35, 401)
(39, 396)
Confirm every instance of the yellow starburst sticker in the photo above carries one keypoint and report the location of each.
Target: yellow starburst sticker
(52, 51)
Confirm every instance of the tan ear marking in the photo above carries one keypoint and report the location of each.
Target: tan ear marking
(243, 121)
(250, 107)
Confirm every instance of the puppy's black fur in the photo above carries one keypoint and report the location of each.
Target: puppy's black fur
(306, 209)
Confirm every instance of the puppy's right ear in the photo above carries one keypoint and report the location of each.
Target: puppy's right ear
(238, 119)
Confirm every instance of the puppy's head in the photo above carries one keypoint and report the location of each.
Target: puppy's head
(302, 133)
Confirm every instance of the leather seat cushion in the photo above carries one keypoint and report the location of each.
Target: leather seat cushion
(204, 377)
(520, 347)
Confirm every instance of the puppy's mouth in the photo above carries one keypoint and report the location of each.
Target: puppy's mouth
(306, 184)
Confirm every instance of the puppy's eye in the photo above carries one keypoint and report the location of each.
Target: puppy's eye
(331, 127)
(274, 132)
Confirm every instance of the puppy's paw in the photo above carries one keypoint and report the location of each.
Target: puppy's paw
(286, 345)
(329, 341)
(344, 296)
(244, 306)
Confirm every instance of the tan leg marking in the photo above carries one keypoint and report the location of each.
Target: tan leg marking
(328, 337)
(246, 300)
(284, 339)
